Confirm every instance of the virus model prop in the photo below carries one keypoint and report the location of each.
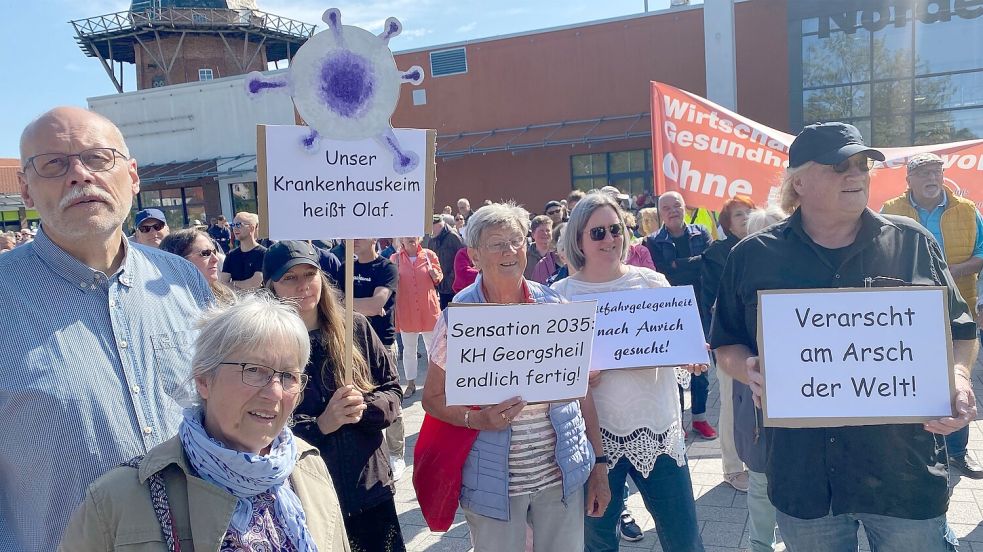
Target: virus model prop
(345, 84)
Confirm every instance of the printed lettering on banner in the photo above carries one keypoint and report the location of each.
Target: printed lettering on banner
(344, 189)
(846, 357)
(710, 154)
(647, 327)
(540, 352)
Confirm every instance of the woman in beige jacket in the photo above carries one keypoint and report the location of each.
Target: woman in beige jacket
(234, 477)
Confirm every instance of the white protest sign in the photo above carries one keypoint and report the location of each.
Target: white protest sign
(647, 327)
(540, 352)
(342, 189)
(855, 357)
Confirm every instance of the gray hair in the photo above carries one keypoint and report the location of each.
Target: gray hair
(448, 219)
(569, 243)
(497, 214)
(759, 219)
(253, 322)
(788, 197)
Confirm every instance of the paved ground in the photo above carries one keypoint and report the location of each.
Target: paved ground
(722, 512)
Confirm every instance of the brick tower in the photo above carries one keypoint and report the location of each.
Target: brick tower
(178, 41)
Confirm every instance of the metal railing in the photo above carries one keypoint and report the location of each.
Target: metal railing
(183, 18)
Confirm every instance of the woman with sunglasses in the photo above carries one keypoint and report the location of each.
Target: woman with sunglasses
(199, 248)
(638, 410)
(344, 420)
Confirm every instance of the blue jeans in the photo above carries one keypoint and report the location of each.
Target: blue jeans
(668, 496)
(885, 534)
(956, 442)
(699, 388)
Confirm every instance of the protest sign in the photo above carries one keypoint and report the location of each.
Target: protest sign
(845, 357)
(710, 154)
(540, 352)
(647, 327)
(343, 189)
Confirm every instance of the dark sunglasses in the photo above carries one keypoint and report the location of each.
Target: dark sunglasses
(598, 233)
(156, 227)
(206, 253)
(553, 211)
(864, 164)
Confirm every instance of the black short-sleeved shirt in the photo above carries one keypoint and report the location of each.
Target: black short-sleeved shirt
(896, 470)
(241, 266)
(381, 272)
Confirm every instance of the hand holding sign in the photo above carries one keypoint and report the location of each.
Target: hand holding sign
(345, 407)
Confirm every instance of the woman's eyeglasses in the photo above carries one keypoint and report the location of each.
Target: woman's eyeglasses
(864, 164)
(257, 375)
(598, 233)
(156, 227)
(205, 253)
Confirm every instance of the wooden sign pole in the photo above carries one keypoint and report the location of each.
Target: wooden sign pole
(346, 372)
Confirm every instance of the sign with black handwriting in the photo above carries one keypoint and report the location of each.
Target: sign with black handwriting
(343, 189)
(843, 357)
(540, 352)
(647, 327)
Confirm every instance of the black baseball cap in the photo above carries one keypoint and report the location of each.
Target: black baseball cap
(284, 255)
(828, 144)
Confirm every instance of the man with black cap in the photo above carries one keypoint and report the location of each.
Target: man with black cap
(957, 226)
(825, 481)
(554, 210)
(151, 227)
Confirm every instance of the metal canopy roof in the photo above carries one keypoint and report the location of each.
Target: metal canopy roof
(562, 133)
(182, 171)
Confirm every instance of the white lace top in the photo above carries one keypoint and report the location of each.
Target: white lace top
(638, 409)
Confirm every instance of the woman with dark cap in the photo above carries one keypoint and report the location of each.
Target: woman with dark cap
(343, 419)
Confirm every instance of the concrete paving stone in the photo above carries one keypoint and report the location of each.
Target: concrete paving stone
(446, 544)
(721, 495)
(717, 513)
(966, 513)
(722, 533)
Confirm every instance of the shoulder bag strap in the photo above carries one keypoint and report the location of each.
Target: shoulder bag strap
(162, 509)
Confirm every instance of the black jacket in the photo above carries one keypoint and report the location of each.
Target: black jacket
(355, 454)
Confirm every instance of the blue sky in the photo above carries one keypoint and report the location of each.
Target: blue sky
(46, 67)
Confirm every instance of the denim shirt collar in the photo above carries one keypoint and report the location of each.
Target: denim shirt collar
(74, 271)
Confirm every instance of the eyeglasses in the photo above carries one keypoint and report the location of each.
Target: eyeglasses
(552, 212)
(257, 375)
(54, 165)
(864, 164)
(156, 227)
(515, 244)
(238, 224)
(599, 232)
(206, 253)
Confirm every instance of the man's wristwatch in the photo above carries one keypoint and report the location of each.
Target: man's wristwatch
(602, 459)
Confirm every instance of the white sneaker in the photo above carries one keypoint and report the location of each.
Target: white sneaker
(398, 466)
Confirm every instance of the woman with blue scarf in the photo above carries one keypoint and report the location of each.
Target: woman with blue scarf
(234, 478)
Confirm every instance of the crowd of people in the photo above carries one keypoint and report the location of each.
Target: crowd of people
(208, 405)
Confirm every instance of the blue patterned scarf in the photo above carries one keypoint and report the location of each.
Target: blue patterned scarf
(246, 475)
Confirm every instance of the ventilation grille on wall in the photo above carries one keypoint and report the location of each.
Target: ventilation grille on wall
(448, 62)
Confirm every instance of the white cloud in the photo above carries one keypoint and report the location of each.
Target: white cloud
(467, 28)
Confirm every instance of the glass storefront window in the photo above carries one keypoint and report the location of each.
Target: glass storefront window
(629, 171)
(948, 91)
(948, 126)
(953, 45)
(892, 52)
(244, 197)
(194, 204)
(890, 131)
(837, 59)
(835, 103)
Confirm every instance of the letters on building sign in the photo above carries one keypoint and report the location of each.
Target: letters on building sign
(898, 12)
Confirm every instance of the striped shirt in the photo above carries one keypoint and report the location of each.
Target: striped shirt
(532, 451)
(88, 367)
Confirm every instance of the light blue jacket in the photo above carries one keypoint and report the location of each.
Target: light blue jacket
(485, 478)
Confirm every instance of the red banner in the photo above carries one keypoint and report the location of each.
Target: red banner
(710, 154)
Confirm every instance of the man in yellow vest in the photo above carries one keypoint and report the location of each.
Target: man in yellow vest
(958, 228)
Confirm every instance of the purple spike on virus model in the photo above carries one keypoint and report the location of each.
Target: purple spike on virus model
(345, 84)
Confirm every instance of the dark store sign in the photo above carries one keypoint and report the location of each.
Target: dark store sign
(898, 12)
